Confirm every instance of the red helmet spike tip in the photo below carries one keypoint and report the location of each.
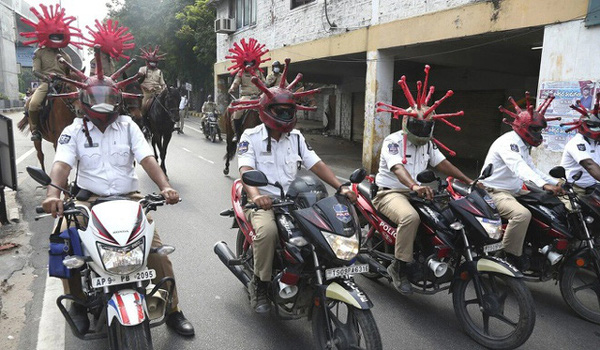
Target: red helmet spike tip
(514, 103)
(438, 103)
(429, 95)
(305, 108)
(295, 81)
(99, 70)
(455, 127)
(448, 115)
(284, 73)
(553, 119)
(581, 106)
(424, 91)
(119, 71)
(131, 96)
(504, 110)
(306, 93)
(527, 100)
(74, 94)
(407, 94)
(259, 84)
(442, 146)
(544, 106)
(128, 81)
(419, 86)
(71, 67)
(404, 142)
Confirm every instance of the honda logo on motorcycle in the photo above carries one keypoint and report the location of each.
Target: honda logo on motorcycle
(341, 213)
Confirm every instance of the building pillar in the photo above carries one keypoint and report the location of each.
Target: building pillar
(379, 86)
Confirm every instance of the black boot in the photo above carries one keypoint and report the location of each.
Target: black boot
(520, 262)
(237, 129)
(79, 316)
(180, 324)
(397, 271)
(258, 296)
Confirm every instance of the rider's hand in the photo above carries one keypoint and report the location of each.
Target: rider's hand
(171, 196)
(345, 191)
(557, 190)
(263, 201)
(53, 205)
(423, 191)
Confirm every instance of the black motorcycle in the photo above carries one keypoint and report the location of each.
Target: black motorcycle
(210, 127)
(319, 242)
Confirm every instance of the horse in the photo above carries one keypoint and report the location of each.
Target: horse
(55, 116)
(250, 119)
(162, 116)
(133, 106)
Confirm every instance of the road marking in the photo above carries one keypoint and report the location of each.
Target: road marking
(51, 333)
(187, 150)
(196, 130)
(208, 160)
(27, 154)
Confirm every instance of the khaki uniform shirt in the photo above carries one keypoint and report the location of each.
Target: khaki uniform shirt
(154, 81)
(209, 106)
(45, 61)
(274, 79)
(108, 67)
(244, 82)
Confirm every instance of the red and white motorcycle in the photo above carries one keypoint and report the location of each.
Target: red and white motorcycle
(110, 253)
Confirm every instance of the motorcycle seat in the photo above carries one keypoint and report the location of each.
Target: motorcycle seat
(365, 189)
(540, 198)
(101, 200)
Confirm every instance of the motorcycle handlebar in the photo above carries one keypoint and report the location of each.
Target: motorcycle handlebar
(39, 210)
(276, 204)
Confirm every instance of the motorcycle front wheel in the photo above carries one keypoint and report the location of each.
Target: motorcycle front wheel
(580, 288)
(213, 135)
(352, 328)
(131, 337)
(503, 319)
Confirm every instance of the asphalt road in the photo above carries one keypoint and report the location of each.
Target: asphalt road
(213, 299)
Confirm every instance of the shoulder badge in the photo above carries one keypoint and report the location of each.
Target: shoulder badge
(514, 147)
(64, 139)
(581, 147)
(308, 145)
(393, 148)
(243, 147)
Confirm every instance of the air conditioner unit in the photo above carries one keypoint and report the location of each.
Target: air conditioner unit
(225, 25)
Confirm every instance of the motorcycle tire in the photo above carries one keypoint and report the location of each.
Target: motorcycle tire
(213, 136)
(132, 337)
(358, 332)
(584, 301)
(516, 314)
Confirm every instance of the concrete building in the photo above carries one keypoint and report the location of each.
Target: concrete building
(483, 50)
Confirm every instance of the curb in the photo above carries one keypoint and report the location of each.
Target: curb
(14, 109)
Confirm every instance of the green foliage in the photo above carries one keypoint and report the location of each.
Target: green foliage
(25, 78)
(182, 28)
(3, 96)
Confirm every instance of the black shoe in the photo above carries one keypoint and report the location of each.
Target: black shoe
(80, 318)
(520, 262)
(397, 271)
(36, 135)
(177, 322)
(258, 296)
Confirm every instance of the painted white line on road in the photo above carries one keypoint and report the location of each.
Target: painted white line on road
(208, 160)
(51, 333)
(187, 150)
(27, 154)
(196, 130)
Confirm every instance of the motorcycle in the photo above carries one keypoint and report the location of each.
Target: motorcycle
(116, 240)
(319, 241)
(210, 127)
(452, 252)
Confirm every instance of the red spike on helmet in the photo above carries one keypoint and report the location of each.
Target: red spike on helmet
(419, 115)
(53, 28)
(247, 57)
(112, 38)
(277, 106)
(151, 55)
(589, 123)
(529, 123)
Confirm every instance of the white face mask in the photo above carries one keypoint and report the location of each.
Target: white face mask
(276, 70)
(103, 108)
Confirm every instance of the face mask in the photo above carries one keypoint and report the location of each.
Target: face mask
(276, 70)
(103, 108)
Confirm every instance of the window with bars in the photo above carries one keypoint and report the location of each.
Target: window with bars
(244, 12)
(296, 3)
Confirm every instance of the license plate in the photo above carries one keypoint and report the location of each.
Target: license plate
(492, 247)
(99, 282)
(346, 271)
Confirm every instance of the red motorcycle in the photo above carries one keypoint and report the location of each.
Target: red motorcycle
(451, 251)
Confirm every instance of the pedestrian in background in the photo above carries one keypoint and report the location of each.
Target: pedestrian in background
(183, 108)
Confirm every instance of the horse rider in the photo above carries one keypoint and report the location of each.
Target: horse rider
(113, 39)
(151, 81)
(103, 146)
(274, 78)
(247, 91)
(512, 163)
(52, 33)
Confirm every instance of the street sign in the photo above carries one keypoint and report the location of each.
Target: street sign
(188, 86)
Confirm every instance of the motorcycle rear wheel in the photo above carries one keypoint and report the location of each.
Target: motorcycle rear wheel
(580, 289)
(132, 337)
(352, 328)
(508, 317)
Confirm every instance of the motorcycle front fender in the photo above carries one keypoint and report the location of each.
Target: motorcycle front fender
(128, 307)
(584, 253)
(492, 264)
(348, 292)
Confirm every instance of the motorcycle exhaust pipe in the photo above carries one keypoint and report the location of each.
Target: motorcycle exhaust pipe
(552, 256)
(226, 255)
(439, 268)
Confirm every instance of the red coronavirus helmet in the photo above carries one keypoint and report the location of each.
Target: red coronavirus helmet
(151, 56)
(247, 57)
(419, 119)
(52, 29)
(277, 106)
(100, 95)
(529, 123)
(112, 38)
(588, 124)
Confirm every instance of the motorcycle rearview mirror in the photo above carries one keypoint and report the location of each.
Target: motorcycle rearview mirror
(426, 176)
(558, 172)
(577, 175)
(487, 172)
(255, 178)
(358, 175)
(39, 175)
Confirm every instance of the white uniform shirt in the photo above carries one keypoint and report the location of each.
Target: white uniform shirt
(281, 164)
(417, 159)
(107, 168)
(509, 155)
(182, 103)
(576, 150)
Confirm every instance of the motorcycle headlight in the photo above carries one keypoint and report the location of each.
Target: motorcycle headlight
(122, 260)
(344, 248)
(492, 227)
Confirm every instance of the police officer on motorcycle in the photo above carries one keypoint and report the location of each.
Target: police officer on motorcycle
(103, 146)
(512, 164)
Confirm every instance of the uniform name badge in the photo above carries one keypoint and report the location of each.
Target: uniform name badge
(87, 145)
